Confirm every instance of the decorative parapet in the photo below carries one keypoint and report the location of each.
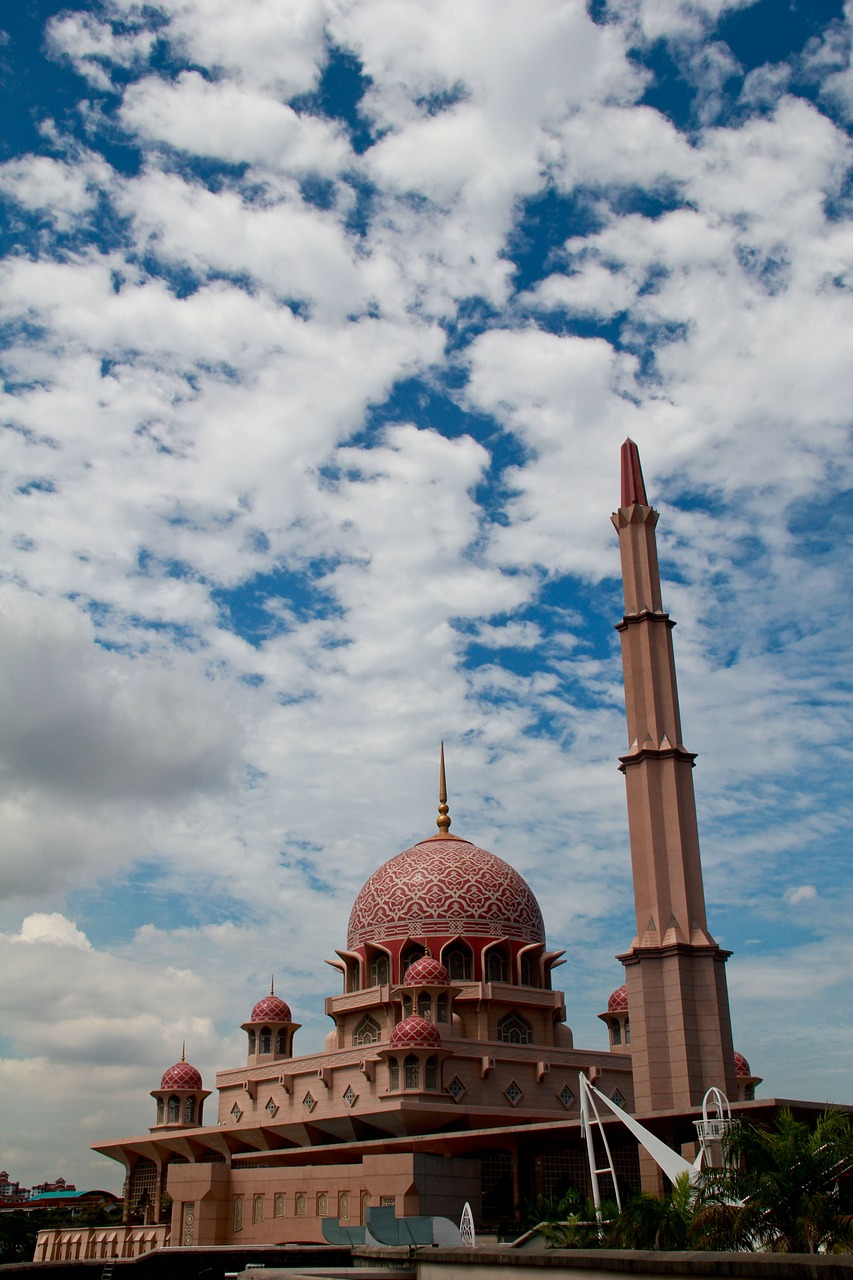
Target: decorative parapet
(73, 1244)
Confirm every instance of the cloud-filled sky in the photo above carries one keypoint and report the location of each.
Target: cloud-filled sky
(323, 324)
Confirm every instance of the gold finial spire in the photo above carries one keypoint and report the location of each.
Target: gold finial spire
(443, 819)
(183, 1051)
(272, 985)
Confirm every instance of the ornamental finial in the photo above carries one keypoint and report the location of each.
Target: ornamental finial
(443, 819)
(183, 1051)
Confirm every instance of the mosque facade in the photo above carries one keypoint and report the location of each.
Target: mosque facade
(450, 1075)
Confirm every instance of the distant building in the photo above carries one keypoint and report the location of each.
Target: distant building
(49, 1195)
(59, 1185)
(450, 1074)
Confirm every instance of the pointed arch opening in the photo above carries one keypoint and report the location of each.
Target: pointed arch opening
(514, 1029)
(458, 959)
(496, 966)
(367, 1031)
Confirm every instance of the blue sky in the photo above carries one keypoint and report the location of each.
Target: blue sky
(323, 325)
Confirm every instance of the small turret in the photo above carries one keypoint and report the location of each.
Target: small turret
(270, 1030)
(180, 1098)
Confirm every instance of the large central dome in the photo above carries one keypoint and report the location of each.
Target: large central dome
(445, 887)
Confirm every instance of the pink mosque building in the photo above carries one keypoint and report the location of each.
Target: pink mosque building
(450, 1074)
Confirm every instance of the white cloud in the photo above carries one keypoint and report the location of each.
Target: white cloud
(52, 928)
(801, 893)
(233, 122)
(92, 46)
(59, 190)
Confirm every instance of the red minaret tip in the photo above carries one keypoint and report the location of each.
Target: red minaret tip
(633, 487)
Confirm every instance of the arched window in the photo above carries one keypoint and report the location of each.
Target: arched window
(615, 1032)
(393, 1074)
(409, 956)
(367, 1031)
(281, 1041)
(441, 1009)
(513, 1029)
(407, 1006)
(323, 1205)
(265, 1041)
(252, 1041)
(160, 1110)
(174, 1110)
(457, 959)
(412, 1072)
(189, 1110)
(528, 971)
(496, 966)
(425, 1006)
(380, 970)
(627, 1030)
(431, 1073)
(301, 1204)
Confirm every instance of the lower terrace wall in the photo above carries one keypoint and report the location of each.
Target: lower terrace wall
(214, 1204)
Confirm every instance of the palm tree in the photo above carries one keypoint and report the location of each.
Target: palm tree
(780, 1189)
(652, 1222)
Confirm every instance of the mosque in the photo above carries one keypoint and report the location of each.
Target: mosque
(450, 1075)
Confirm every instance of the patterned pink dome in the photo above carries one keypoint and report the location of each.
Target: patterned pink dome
(426, 972)
(415, 1033)
(181, 1076)
(271, 1009)
(618, 1001)
(445, 887)
(741, 1066)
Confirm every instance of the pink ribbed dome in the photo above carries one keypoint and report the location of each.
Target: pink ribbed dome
(271, 1009)
(445, 887)
(618, 1001)
(741, 1066)
(181, 1076)
(426, 972)
(415, 1033)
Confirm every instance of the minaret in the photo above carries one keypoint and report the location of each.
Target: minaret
(681, 1041)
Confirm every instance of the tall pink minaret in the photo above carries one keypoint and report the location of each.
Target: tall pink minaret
(681, 1036)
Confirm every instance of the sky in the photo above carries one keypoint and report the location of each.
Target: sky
(323, 324)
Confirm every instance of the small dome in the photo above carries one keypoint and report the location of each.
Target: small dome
(426, 972)
(415, 1033)
(741, 1066)
(618, 1001)
(271, 1009)
(181, 1076)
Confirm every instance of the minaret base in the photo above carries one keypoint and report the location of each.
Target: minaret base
(681, 1026)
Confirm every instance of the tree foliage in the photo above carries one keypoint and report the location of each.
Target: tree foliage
(780, 1191)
